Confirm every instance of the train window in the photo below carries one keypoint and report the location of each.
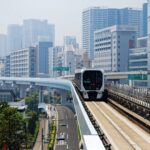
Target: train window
(92, 80)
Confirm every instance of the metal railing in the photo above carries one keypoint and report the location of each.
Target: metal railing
(142, 95)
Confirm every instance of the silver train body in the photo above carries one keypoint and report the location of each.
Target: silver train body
(90, 83)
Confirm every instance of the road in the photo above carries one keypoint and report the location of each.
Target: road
(67, 127)
(120, 131)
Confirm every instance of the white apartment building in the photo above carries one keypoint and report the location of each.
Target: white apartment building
(23, 62)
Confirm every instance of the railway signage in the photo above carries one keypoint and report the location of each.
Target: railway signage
(60, 68)
(137, 77)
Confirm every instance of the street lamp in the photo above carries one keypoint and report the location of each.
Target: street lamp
(70, 67)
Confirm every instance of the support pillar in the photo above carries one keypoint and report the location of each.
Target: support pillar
(22, 91)
(41, 97)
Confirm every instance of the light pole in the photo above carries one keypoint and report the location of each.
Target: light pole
(70, 67)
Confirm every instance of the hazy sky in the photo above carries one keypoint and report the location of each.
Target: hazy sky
(65, 14)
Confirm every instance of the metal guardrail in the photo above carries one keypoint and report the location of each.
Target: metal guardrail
(95, 124)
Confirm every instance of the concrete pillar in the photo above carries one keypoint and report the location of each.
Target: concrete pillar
(63, 94)
(22, 89)
(65, 100)
(148, 21)
(41, 97)
(131, 83)
(3, 85)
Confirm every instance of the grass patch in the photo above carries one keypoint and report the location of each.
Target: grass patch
(79, 133)
(52, 135)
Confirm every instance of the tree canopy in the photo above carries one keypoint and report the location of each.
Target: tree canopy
(12, 127)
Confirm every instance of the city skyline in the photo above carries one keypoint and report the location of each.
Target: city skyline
(56, 12)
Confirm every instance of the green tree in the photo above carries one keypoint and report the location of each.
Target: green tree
(33, 117)
(32, 102)
(47, 98)
(12, 128)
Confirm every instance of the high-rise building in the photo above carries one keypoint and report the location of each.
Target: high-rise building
(23, 62)
(37, 30)
(93, 19)
(43, 58)
(2, 67)
(98, 18)
(148, 1)
(53, 53)
(3, 45)
(71, 40)
(132, 17)
(138, 61)
(111, 46)
(64, 60)
(138, 56)
(7, 66)
(145, 13)
(14, 37)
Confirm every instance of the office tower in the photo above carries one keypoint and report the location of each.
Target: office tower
(98, 18)
(53, 53)
(23, 62)
(138, 61)
(2, 67)
(37, 30)
(93, 19)
(43, 58)
(145, 13)
(3, 45)
(14, 37)
(138, 55)
(133, 17)
(148, 19)
(111, 46)
(7, 66)
(71, 40)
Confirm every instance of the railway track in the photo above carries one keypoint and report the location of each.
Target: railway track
(121, 132)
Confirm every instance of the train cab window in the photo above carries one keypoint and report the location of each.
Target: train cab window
(92, 80)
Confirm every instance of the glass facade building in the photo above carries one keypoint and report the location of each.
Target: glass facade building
(98, 18)
(148, 42)
(14, 37)
(145, 15)
(37, 30)
(138, 59)
(43, 58)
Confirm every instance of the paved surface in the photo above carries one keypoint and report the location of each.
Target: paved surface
(67, 128)
(44, 125)
(121, 132)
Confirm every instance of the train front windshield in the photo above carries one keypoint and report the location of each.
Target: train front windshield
(92, 80)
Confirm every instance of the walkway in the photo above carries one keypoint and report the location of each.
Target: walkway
(38, 144)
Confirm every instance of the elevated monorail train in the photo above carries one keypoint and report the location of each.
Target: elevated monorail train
(90, 83)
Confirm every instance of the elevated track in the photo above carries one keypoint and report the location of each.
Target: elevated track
(114, 127)
(121, 132)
